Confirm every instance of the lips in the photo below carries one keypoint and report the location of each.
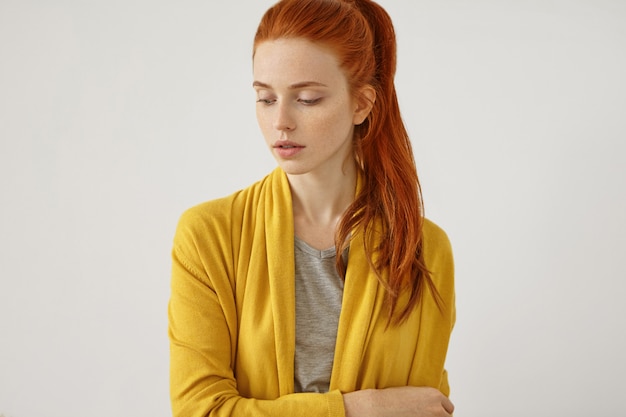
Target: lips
(286, 149)
(286, 144)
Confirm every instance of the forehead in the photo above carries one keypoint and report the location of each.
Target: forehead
(289, 61)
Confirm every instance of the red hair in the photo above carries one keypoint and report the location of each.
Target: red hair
(361, 34)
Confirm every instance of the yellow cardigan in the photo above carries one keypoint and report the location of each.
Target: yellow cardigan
(232, 314)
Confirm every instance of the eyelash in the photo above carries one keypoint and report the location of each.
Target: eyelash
(309, 102)
(268, 102)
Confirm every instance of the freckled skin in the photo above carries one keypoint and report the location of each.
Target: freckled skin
(304, 101)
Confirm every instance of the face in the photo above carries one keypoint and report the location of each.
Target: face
(304, 106)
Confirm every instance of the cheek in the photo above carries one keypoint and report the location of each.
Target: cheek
(263, 120)
(339, 119)
(259, 117)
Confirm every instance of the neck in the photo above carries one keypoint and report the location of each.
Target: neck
(319, 202)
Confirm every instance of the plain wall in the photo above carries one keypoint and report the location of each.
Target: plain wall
(115, 116)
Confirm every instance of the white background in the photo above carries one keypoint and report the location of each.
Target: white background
(115, 116)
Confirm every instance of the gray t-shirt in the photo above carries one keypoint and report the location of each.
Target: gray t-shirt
(319, 290)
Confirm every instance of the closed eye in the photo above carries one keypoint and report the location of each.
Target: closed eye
(309, 102)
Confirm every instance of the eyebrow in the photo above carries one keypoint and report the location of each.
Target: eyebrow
(295, 86)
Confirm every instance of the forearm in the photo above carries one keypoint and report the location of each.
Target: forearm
(398, 402)
(359, 403)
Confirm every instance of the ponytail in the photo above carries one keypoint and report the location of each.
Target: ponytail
(391, 191)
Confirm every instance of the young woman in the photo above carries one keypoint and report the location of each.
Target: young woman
(321, 290)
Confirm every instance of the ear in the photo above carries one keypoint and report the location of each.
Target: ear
(364, 102)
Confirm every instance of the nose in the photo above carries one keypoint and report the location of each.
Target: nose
(283, 119)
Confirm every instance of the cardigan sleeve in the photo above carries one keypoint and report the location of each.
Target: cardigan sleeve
(439, 258)
(202, 329)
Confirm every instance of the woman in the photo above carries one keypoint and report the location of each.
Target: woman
(321, 290)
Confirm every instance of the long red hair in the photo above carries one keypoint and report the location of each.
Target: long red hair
(361, 34)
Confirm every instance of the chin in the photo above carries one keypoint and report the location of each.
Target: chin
(293, 171)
